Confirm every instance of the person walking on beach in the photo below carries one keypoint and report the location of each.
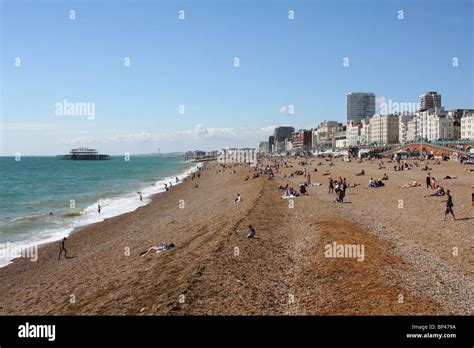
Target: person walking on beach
(449, 206)
(331, 185)
(140, 194)
(344, 187)
(62, 248)
(99, 208)
(428, 181)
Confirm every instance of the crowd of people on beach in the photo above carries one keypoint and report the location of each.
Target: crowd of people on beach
(335, 186)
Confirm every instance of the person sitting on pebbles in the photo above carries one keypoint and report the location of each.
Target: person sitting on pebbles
(251, 232)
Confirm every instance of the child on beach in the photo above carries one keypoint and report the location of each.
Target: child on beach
(238, 199)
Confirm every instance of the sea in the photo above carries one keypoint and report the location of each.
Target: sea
(42, 199)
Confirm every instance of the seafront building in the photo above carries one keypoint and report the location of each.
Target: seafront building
(283, 132)
(467, 125)
(359, 106)
(434, 124)
(431, 123)
(384, 129)
(430, 101)
(263, 147)
(353, 134)
(340, 139)
(271, 144)
(365, 131)
(323, 137)
(301, 140)
(403, 124)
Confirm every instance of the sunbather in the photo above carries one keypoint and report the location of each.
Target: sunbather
(158, 248)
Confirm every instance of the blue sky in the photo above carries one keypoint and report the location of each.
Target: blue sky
(190, 62)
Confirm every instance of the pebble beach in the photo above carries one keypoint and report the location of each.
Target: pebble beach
(414, 262)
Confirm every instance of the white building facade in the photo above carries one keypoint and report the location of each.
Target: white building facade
(403, 121)
(384, 129)
(467, 126)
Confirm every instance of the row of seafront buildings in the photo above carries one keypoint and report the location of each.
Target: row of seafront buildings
(426, 121)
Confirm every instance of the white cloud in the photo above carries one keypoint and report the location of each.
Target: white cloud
(200, 134)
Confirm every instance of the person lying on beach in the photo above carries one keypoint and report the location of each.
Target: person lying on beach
(361, 173)
(439, 192)
(238, 199)
(413, 184)
(353, 185)
(281, 187)
(327, 172)
(447, 177)
(158, 248)
(251, 232)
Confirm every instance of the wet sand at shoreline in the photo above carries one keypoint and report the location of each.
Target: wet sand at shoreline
(409, 266)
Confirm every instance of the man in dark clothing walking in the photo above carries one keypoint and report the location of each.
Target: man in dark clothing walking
(62, 248)
(428, 181)
(449, 206)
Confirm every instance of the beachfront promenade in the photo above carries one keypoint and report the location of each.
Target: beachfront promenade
(414, 263)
